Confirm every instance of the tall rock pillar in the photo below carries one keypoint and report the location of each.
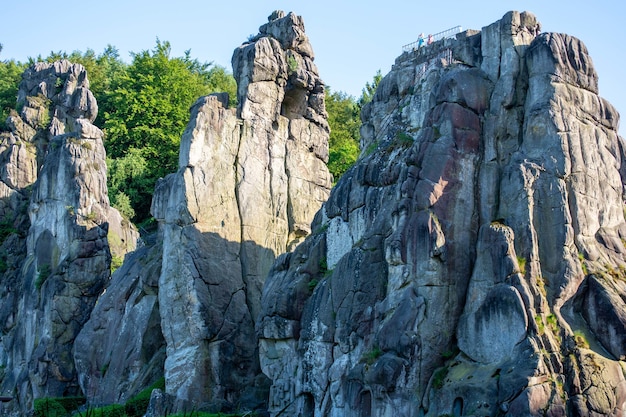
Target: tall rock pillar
(249, 183)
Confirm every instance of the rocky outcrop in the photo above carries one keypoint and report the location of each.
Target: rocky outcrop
(472, 261)
(250, 180)
(56, 218)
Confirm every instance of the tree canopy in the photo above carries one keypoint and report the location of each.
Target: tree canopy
(144, 109)
(344, 120)
(10, 76)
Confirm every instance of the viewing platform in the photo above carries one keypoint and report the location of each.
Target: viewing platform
(448, 46)
(448, 33)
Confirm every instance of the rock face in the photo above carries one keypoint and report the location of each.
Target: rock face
(249, 183)
(56, 216)
(472, 262)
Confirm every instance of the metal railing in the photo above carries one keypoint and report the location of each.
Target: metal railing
(448, 33)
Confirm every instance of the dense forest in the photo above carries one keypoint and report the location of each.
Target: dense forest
(144, 108)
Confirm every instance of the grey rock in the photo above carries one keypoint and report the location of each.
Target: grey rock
(471, 262)
(249, 182)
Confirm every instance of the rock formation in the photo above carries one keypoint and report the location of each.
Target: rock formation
(249, 182)
(56, 217)
(472, 261)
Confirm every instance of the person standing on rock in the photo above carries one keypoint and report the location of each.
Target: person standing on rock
(430, 39)
(420, 40)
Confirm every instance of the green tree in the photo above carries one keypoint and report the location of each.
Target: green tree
(147, 109)
(344, 120)
(10, 76)
(370, 89)
(219, 80)
(127, 174)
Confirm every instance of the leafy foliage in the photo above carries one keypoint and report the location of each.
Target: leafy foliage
(44, 273)
(49, 407)
(137, 405)
(344, 120)
(6, 228)
(370, 89)
(56, 407)
(439, 377)
(146, 111)
(10, 76)
(65, 406)
(144, 108)
(371, 356)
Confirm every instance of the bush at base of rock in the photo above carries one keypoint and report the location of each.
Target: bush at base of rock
(57, 407)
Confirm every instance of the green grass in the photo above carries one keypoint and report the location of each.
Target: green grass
(581, 340)
(6, 228)
(521, 262)
(116, 262)
(292, 63)
(56, 407)
(540, 326)
(66, 406)
(404, 140)
(371, 148)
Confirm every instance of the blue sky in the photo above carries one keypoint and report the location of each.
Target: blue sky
(352, 40)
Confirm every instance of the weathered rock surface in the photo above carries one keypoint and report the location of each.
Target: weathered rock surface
(472, 262)
(249, 183)
(56, 217)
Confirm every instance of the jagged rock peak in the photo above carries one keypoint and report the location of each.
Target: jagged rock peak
(276, 66)
(64, 83)
(472, 261)
(289, 30)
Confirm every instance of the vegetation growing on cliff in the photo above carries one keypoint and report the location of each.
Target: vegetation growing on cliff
(344, 120)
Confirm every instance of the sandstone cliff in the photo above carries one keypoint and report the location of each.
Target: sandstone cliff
(57, 224)
(472, 262)
(249, 182)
